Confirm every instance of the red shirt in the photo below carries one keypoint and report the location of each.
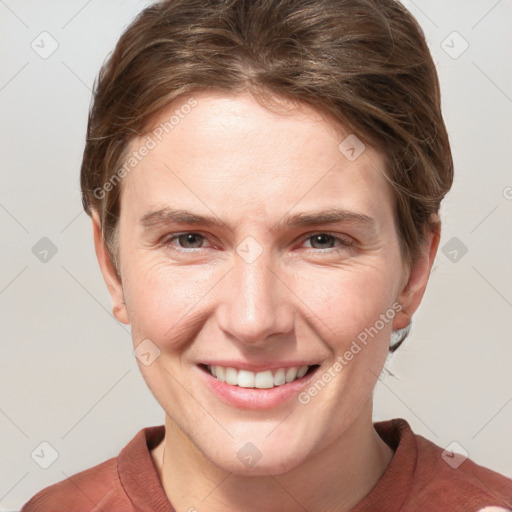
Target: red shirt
(417, 479)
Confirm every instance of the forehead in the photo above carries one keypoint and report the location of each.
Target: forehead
(215, 150)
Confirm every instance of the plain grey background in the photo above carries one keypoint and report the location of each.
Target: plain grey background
(68, 374)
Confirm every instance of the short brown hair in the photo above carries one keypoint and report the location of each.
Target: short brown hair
(364, 62)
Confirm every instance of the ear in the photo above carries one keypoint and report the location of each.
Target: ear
(411, 294)
(112, 280)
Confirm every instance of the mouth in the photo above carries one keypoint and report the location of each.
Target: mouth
(264, 389)
(266, 379)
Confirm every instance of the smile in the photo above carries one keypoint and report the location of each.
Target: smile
(262, 380)
(266, 387)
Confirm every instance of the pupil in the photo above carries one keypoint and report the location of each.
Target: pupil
(189, 238)
(322, 238)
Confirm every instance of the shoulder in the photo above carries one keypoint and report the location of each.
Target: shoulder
(86, 490)
(442, 479)
(457, 481)
(111, 485)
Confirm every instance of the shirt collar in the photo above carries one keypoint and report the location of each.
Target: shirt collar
(142, 485)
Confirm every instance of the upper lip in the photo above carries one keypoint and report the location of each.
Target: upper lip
(244, 365)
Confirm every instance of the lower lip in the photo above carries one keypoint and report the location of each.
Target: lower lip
(255, 398)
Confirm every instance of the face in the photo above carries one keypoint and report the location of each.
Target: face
(252, 250)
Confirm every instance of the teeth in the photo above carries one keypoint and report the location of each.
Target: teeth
(264, 380)
(302, 371)
(231, 376)
(291, 374)
(245, 379)
(280, 377)
(261, 380)
(220, 373)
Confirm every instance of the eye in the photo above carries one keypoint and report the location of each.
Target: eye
(328, 239)
(187, 240)
(323, 242)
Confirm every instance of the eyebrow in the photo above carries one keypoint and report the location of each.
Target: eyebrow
(166, 216)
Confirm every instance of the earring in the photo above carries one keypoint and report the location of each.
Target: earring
(398, 336)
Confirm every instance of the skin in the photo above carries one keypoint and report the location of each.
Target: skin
(300, 299)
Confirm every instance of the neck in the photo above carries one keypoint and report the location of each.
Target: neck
(332, 480)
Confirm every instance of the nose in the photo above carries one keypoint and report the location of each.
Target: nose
(256, 302)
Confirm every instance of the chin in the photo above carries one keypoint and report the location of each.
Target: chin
(276, 464)
(259, 458)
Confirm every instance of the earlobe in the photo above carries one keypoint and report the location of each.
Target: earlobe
(412, 293)
(112, 280)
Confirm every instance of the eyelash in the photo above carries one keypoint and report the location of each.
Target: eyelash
(344, 243)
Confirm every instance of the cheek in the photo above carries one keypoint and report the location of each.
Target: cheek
(169, 304)
(163, 302)
(344, 302)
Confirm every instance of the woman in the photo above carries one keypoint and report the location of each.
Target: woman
(264, 180)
